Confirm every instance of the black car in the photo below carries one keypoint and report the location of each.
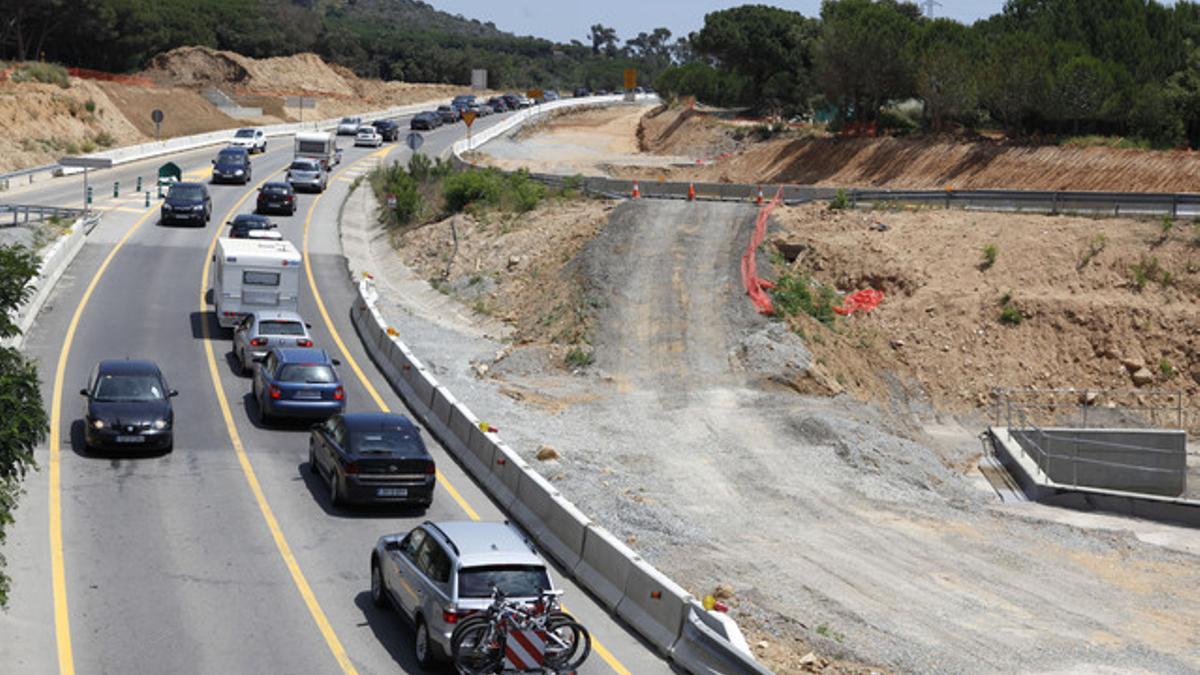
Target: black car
(512, 101)
(276, 197)
(372, 458)
(243, 223)
(582, 92)
(128, 407)
(449, 114)
(232, 165)
(425, 120)
(388, 129)
(499, 104)
(187, 203)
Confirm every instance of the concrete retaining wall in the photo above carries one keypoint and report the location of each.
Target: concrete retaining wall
(1151, 461)
(55, 260)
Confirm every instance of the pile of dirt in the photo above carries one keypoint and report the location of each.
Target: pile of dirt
(515, 267)
(684, 130)
(1067, 302)
(205, 67)
(185, 111)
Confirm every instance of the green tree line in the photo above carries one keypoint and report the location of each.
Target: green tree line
(1127, 67)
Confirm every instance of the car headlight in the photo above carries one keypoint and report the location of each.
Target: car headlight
(97, 424)
(238, 172)
(160, 424)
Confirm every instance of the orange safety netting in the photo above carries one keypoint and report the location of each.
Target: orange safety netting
(860, 301)
(754, 284)
(89, 74)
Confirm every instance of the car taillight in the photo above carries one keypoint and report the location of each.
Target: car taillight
(351, 468)
(258, 342)
(304, 342)
(275, 392)
(430, 468)
(291, 198)
(449, 616)
(339, 394)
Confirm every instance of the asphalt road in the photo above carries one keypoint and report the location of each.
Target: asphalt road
(224, 556)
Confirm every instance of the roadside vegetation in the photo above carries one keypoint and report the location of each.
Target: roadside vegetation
(47, 73)
(24, 420)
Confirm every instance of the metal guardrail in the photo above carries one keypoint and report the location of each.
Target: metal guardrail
(21, 213)
(6, 179)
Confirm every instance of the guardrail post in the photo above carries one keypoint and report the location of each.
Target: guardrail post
(116, 189)
(1174, 205)
(147, 199)
(1054, 208)
(89, 195)
(139, 185)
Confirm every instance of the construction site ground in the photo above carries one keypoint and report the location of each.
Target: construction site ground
(822, 478)
(43, 122)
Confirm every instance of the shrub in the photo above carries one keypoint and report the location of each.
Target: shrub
(1147, 270)
(90, 106)
(839, 201)
(796, 294)
(1095, 246)
(1010, 315)
(1165, 228)
(990, 252)
(48, 73)
(1167, 370)
(577, 357)
(88, 146)
(104, 140)
(492, 188)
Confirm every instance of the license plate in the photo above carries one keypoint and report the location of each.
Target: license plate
(391, 492)
(308, 395)
(131, 439)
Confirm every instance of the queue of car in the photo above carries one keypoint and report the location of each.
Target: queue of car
(363, 457)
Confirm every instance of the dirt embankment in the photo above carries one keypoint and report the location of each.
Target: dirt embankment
(1067, 302)
(730, 154)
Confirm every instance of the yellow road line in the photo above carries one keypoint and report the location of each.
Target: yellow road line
(599, 647)
(347, 357)
(285, 551)
(58, 572)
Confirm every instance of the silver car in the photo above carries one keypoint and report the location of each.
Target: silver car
(307, 174)
(440, 572)
(259, 331)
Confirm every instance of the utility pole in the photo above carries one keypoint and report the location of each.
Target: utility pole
(929, 6)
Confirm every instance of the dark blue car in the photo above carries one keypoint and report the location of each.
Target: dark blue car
(298, 383)
(187, 203)
(371, 458)
(232, 165)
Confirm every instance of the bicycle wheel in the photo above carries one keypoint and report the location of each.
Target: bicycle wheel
(475, 649)
(568, 644)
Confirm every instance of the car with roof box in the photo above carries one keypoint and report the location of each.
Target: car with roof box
(439, 573)
(372, 458)
(127, 407)
(186, 203)
(298, 383)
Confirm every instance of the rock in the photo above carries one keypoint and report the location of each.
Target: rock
(897, 343)
(1133, 364)
(1142, 376)
(808, 659)
(481, 369)
(1088, 397)
(547, 453)
(762, 644)
(513, 262)
(1112, 353)
(723, 592)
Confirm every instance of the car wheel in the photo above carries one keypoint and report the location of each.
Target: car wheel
(422, 649)
(312, 461)
(263, 415)
(377, 586)
(243, 369)
(335, 497)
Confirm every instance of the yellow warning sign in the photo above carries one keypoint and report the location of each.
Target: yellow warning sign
(469, 116)
(630, 78)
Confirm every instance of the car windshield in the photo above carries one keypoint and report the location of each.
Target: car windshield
(280, 328)
(229, 157)
(185, 192)
(379, 442)
(245, 133)
(349, 120)
(128, 388)
(250, 220)
(275, 189)
(515, 581)
(311, 373)
(303, 166)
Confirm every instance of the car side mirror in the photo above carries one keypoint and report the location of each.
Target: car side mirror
(391, 545)
(83, 392)
(214, 162)
(308, 325)
(173, 393)
(335, 362)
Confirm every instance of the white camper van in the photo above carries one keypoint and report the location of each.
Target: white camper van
(319, 145)
(254, 274)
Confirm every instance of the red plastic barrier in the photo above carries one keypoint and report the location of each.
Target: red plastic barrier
(860, 301)
(89, 74)
(754, 284)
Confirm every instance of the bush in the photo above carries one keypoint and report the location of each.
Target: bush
(1010, 315)
(1147, 270)
(990, 252)
(104, 140)
(48, 73)
(577, 357)
(839, 201)
(492, 188)
(90, 106)
(796, 294)
(394, 180)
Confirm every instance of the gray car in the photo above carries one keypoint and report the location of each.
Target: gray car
(260, 331)
(439, 572)
(307, 174)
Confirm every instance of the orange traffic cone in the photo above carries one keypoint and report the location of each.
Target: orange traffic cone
(636, 192)
(691, 192)
(759, 200)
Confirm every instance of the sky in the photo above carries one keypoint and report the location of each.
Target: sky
(564, 20)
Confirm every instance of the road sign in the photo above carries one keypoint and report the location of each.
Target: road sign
(469, 117)
(414, 141)
(535, 94)
(478, 79)
(630, 78)
(300, 103)
(156, 116)
(86, 162)
(391, 201)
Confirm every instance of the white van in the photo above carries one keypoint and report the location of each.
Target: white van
(321, 146)
(254, 274)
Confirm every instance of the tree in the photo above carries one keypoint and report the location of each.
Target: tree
(24, 423)
(943, 53)
(1015, 84)
(1082, 87)
(862, 57)
(603, 36)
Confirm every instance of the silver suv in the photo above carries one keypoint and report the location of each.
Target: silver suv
(441, 572)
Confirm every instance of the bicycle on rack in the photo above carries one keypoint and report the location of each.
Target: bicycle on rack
(516, 636)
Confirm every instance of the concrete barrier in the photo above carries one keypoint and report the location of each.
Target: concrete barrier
(555, 523)
(55, 260)
(654, 605)
(604, 566)
(441, 405)
(1153, 461)
(504, 475)
(703, 649)
(481, 448)
(423, 385)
